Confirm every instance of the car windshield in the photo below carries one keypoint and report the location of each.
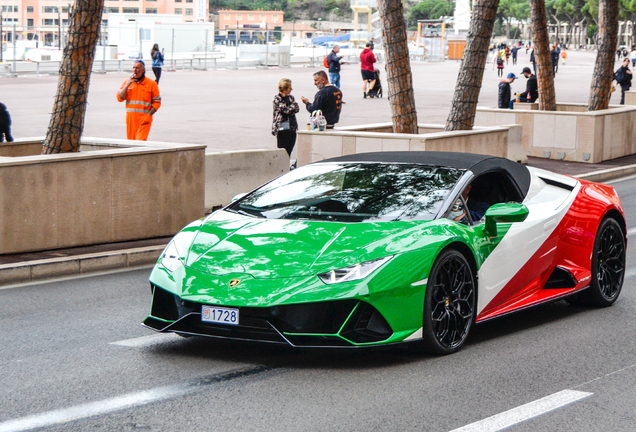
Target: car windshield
(353, 192)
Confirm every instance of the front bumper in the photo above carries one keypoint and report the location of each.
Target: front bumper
(340, 323)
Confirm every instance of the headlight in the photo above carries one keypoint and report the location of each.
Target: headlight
(354, 272)
(170, 258)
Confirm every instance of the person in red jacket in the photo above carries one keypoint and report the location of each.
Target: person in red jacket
(368, 70)
(142, 101)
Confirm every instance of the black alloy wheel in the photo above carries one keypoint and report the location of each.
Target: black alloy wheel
(449, 305)
(608, 265)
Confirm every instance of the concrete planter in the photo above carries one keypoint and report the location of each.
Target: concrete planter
(570, 133)
(502, 141)
(111, 191)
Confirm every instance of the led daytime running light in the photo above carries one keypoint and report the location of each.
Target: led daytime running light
(352, 273)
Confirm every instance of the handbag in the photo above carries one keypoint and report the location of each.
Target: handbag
(318, 121)
(284, 126)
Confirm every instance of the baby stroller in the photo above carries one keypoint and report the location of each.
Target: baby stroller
(376, 91)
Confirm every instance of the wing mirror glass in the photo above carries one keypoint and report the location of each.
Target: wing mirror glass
(504, 213)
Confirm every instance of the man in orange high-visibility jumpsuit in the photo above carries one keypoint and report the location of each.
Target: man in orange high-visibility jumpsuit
(142, 101)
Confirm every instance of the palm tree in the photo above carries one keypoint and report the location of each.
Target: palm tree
(600, 91)
(541, 44)
(471, 72)
(67, 121)
(398, 67)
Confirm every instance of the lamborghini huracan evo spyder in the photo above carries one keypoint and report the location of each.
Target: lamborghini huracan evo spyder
(380, 248)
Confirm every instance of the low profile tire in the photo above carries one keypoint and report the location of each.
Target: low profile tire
(449, 305)
(608, 266)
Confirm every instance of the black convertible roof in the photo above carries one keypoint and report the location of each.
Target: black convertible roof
(476, 163)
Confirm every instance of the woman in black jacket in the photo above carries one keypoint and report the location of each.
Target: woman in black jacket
(284, 124)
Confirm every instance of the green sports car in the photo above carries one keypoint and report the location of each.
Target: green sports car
(381, 248)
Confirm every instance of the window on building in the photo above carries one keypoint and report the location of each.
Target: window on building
(30, 22)
(64, 22)
(274, 17)
(30, 9)
(131, 0)
(177, 1)
(178, 11)
(151, 10)
(239, 16)
(189, 11)
(64, 9)
(8, 9)
(226, 16)
(250, 17)
(50, 21)
(188, 1)
(263, 17)
(151, 0)
(49, 9)
(130, 10)
(111, 10)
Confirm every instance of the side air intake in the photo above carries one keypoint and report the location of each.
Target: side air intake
(560, 279)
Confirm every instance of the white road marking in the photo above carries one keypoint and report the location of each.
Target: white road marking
(525, 412)
(631, 231)
(131, 400)
(94, 408)
(150, 340)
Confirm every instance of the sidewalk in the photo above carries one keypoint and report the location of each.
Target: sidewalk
(36, 266)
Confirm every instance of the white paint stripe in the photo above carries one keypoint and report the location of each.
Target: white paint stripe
(94, 408)
(525, 412)
(150, 340)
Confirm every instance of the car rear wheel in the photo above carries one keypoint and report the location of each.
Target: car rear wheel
(608, 265)
(449, 305)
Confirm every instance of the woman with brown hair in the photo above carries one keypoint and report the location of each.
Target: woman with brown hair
(157, 61)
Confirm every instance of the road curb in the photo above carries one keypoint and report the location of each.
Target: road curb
(608, 174)
(38, 270)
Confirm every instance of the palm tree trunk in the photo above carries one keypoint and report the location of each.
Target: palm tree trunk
(604, 67)
(398, 67)
(541, 43)
(471, 72)
(67, 121)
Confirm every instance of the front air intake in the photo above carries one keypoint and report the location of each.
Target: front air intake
(366, 325)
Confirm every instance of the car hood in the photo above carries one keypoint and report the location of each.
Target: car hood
(227, 243)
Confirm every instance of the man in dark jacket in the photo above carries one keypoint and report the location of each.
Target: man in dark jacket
(335, 60)
(554, 57)
(5, 124)
(533, 61)
(504, 91)
(532, 88)
(328, 99)
(623, 77)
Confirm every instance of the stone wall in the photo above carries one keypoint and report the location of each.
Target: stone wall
(570, 133)
(127, 190)
(502, 141)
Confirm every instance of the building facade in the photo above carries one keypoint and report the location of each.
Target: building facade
(44, 19)
(249, 19)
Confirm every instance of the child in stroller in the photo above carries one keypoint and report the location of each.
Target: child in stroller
(376, 90)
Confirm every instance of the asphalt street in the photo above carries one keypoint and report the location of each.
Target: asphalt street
(74, 358)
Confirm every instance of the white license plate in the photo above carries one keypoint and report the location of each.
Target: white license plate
(220, 315)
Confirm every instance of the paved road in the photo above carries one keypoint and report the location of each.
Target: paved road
(73, 349)
(232, 109)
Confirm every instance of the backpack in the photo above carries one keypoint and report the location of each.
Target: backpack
(325, 62)
(499, 61)
(618, 76)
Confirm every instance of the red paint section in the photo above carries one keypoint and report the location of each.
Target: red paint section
(569, 246)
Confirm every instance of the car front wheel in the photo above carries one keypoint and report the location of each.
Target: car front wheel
(449, 305)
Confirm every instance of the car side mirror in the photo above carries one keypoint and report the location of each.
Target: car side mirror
(504, 213)
(238, 197)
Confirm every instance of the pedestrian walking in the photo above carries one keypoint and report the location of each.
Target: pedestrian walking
(623, 77)
(564, 55)
(500, 63)
(334, 60)
(505, 92)
(5, 124)
(157, 61)
(328, 99)
(367, 69)
(142, 102)
(554, 57)
(284, 124)
(533, 61)
(632, 56)
(514, 52)
(527, 48)
(507, 52)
